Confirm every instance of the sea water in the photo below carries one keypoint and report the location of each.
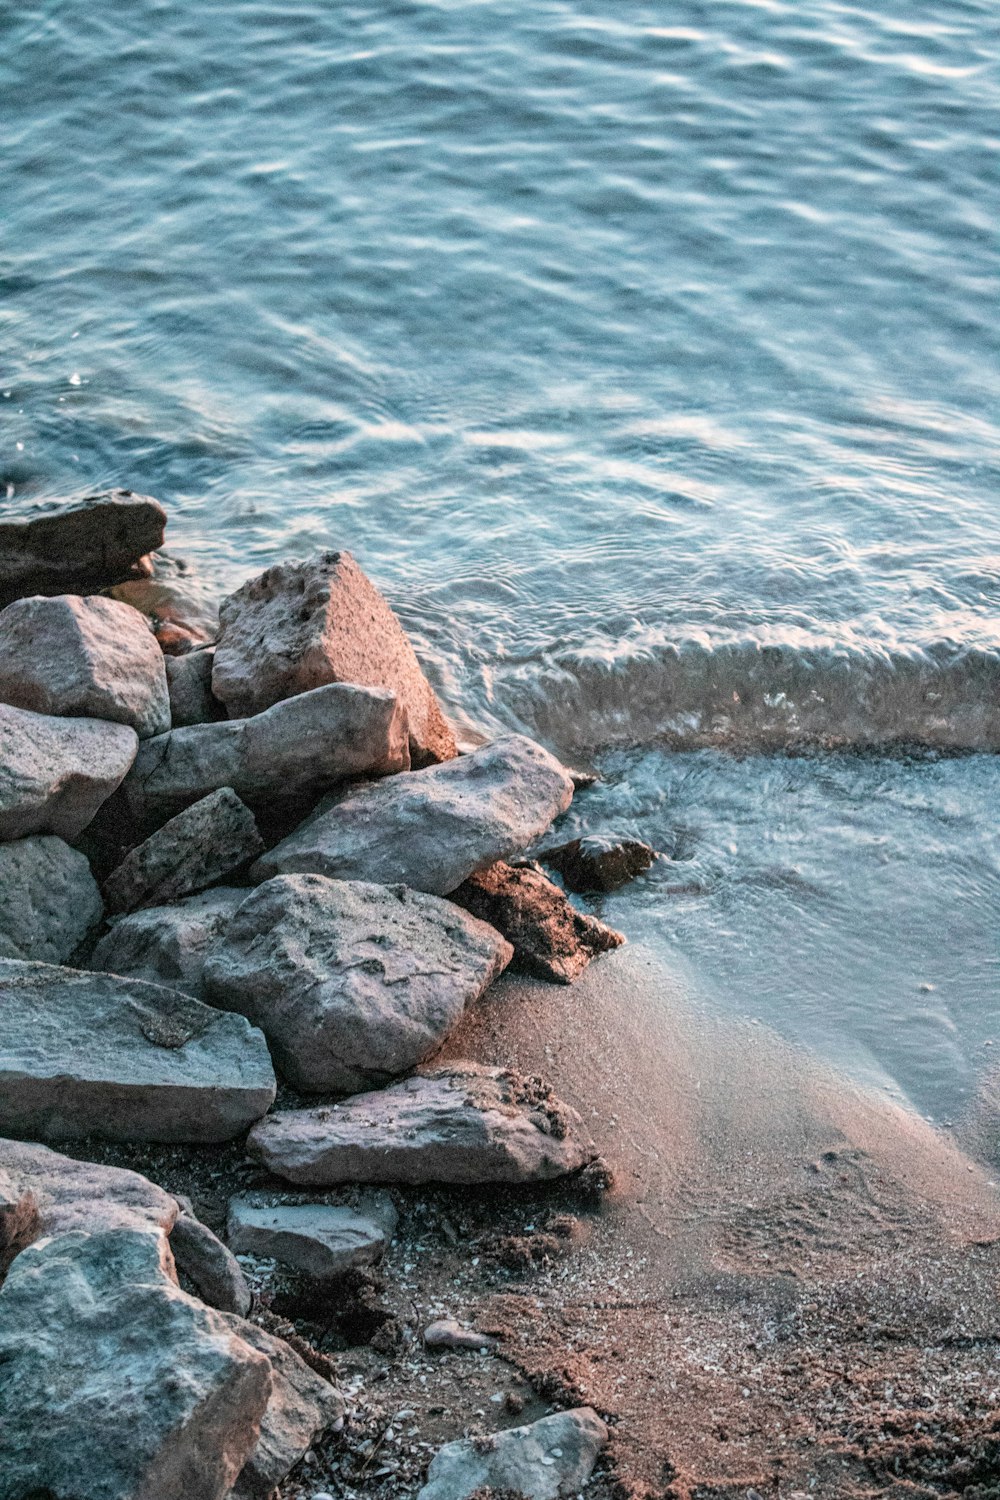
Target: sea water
(646, 354)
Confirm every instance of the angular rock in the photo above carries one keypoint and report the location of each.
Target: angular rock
(213, 1269)
(78, 545)
(92, 1054)
(544, 1460)
(598, 862)
(85, 658)
(300, 625)
(298, 748)
(81, 1195)
(352, 983)
(459, 1124)
(321, 1240)
(551, 938)
(189, 682)
(432, 829)
(180, 607)
(200, 846)
(49, 900)
(168, 944)
(114, 1384)
(56, 773)
(446, 1333)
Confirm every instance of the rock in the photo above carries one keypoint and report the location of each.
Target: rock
(80, 1195)
(79, 545)
(545, 1460)
(208, 1264)
(189, 683)
(168, 944)
(200, 846)
(432, 829)
(181, 608)
(84, 658)
(352, 983)
(319, 1239)
(49, 900)
(599, 863)
(300, 625)
(93, 1054)
(114, 1384)
(459, 1124)
(55, 773)
(298, 748)
(551, 938)
(446, 1333)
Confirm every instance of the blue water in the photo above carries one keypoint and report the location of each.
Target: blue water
(646, 354)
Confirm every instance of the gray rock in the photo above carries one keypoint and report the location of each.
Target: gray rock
(352, 983)
(446, 1333)
(55, 773)
(80, 1195)
(321, 1240)
(114, 1384)
(545, 1460)
(84, 657)
(300, 625)
(49, 900)
(599, 862)
(189, 683)
(212, 1268)
(168, 944)
(432, 829)
(78, 545)
(93, 1054)
(298, 748)
(459, 1124)
(197, 848)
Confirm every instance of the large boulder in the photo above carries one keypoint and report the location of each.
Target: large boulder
(432, 829)
(168, 944)
(83, 657)
(321, 1240)
(197, 848)
(298, 748)
(459, 1124)
(55, 773)
(544, 1460)
(300, 625)
(92, 1054)
(78, 545)
(352, 983)
(49, 900)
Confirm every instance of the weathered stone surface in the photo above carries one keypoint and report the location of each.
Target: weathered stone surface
(545, 1460)
(459, 1124)
(431, 829)
(115, 1385)
(551, 938)
(321, 1240)
(181, 607)
(189, 682)
(168, 944)
(200, 846)
(300, 625)
(93, 1054)
(77, 545)
(55, 773)
(298, 748)
(49, 900)
(352, 983)
(83, 657)
(446, 1333)
(208, 1264)
(598, 862)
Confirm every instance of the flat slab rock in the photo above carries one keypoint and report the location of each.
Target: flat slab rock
(544, 1460)
(320, 1240)
(301, 625)
(353, 984)
(432, 829)
(93, 1054)
(459, 1124)
(168, 944)
(197, 848)
(55, 773)
(78, 545)
(85, 657)
(49, 900)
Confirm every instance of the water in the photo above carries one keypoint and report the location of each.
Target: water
(645, 354)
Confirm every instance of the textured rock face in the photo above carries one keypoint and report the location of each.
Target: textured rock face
(352, 983)
(298, 748)
(212, 1268)
(84, 1054)
(432, 829)
(542, 1461)
(319, 1239)
(84, 657)
(115, 1385)
(168, 944)
(55, 773)
(551, 938)
(80, 545)
(599, 863)
(49, 900)
(200, 846)
(300, 625)
(461, 1124)
(189, 683)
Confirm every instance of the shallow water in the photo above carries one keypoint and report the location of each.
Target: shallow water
(645, 354)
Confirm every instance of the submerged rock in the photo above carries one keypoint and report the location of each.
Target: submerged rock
(49, 900)
(168, 944)
(56, 773)
(189, 683)
(544, 1460)
(321, 1240)
(78, 545)
(200, 846)
(598, 862)
(180, 607)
